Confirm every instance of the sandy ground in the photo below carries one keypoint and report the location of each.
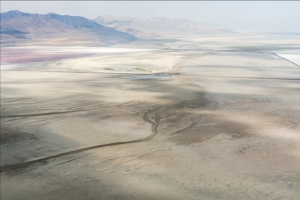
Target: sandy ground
(223, 123)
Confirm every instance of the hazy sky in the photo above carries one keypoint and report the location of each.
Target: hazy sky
(235, 15)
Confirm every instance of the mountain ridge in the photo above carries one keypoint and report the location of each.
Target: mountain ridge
(159, 25)
(39, 25)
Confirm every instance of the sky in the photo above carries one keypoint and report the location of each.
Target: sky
(264, 16)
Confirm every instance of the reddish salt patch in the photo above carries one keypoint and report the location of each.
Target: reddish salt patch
(9, 56)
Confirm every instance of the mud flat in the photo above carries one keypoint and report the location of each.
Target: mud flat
(164, 124)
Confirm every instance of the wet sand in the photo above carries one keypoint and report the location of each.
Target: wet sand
(219, 124)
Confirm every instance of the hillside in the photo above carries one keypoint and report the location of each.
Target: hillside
(18, 25)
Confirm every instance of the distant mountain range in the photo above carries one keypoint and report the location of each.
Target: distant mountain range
(158, 26)
(20, 26)
(16, 24)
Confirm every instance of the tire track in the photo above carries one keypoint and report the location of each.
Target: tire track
(62, 112)
(154, 126)
(43, 114)
(151, 116)
(155, 122)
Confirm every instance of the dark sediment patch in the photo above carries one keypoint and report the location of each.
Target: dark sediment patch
(9, 135)
(206, 126)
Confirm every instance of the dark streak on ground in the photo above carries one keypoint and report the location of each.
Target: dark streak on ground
(145, 117)
(153, 116)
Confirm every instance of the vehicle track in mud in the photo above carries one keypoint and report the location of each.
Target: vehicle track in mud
(155, 122)
(63, 112)
(174, 112)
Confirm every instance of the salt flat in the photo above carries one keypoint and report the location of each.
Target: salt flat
(223, 122)
(295, 58)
